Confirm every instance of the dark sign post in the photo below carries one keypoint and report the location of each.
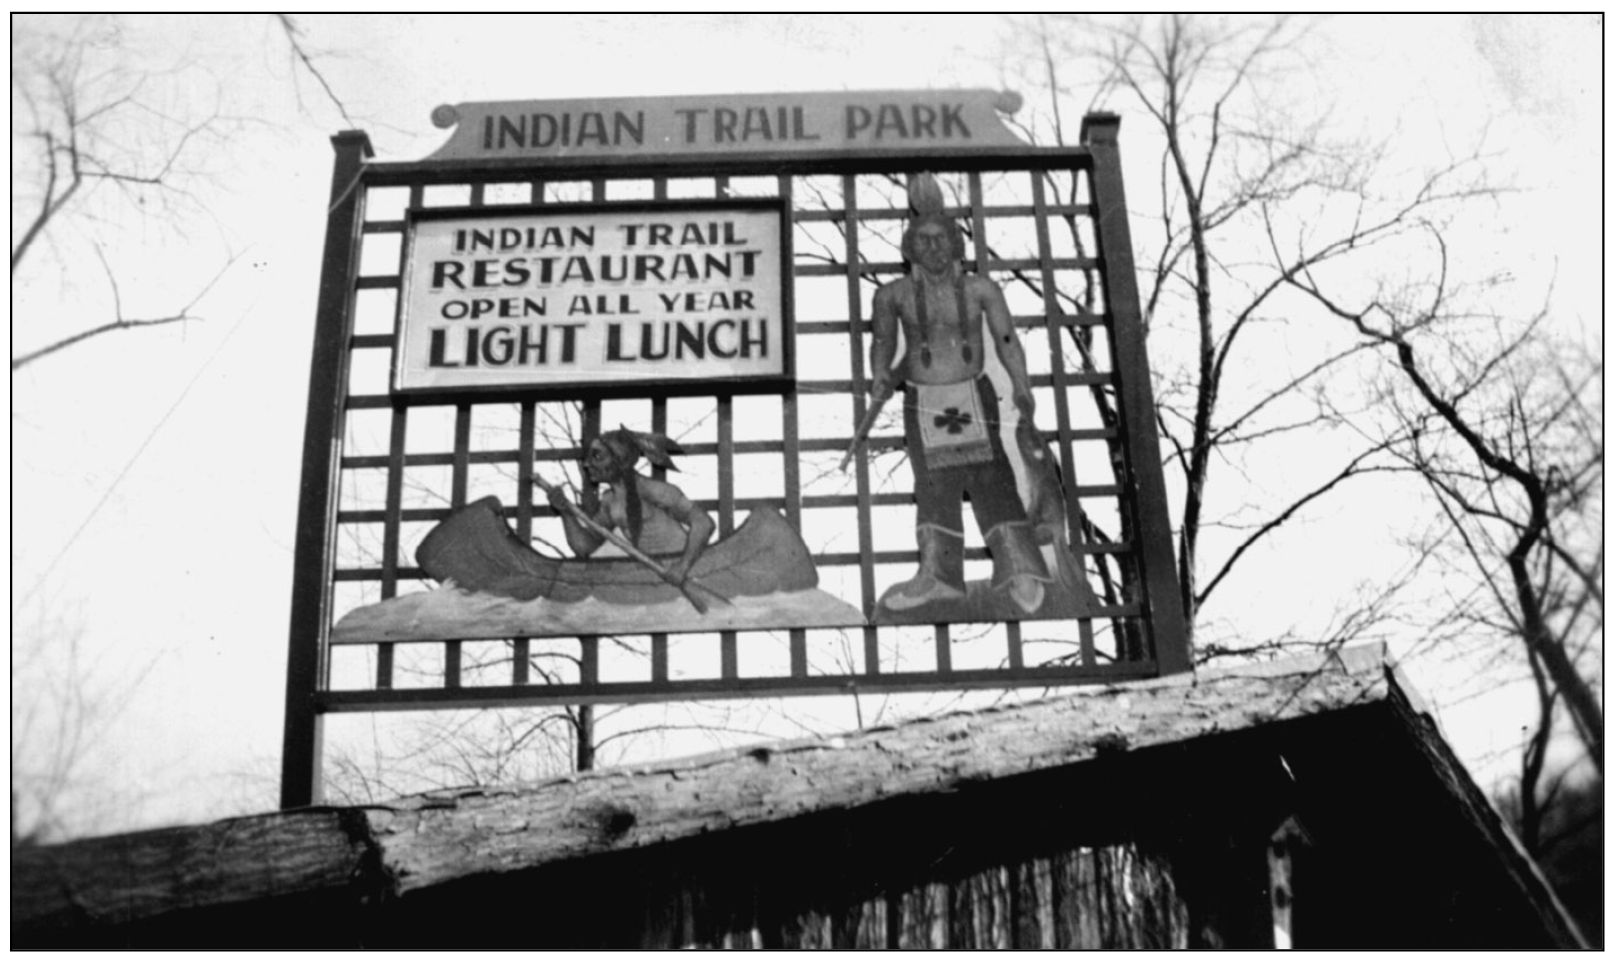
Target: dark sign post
(542, 265)
(317, 491)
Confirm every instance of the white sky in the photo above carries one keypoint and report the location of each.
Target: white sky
(155, 474)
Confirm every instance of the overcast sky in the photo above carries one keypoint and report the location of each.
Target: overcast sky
(154, 474)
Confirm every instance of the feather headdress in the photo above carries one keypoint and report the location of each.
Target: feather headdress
(627, 447)
(631, 445)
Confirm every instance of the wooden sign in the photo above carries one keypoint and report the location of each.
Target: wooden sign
(865, 121)
(545, 297)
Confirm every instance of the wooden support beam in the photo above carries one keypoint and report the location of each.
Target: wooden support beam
(317, 501)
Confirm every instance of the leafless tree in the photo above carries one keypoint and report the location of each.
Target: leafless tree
(64, 703)
(1498, 418)
(1244, 369)
(115, 152)
(1503, 425)
(103, 145)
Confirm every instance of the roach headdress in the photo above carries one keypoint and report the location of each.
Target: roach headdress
(927, 206)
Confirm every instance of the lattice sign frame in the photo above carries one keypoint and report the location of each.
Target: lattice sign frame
(381, 466)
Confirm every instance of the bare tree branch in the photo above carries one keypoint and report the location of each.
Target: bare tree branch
(294, 35)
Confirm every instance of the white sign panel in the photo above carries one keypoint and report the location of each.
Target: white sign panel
(579, 295)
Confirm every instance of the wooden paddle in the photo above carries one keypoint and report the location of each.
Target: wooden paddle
(635, 553)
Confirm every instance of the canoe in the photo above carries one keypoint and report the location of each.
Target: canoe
(479, 551)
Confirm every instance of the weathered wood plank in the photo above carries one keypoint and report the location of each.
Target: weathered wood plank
(421, 842)
(442, 837)
(120, 879)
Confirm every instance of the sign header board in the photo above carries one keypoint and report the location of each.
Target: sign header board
(584, 295)
(882, 122)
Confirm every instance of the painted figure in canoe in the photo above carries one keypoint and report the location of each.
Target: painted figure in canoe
(659, 538)
(653, 515)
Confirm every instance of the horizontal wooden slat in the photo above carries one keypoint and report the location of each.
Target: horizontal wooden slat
(842, 559)
(1031, 321)
(1096, 490)
(822, 559)
(443, 459)
(1028, 210)
(426, 514)
(377, 283)
(564, 454)
(1071, 379)
(887, 267)
(424, 698)
(841, 270)
(761, 164)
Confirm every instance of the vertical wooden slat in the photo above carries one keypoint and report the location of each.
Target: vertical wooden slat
(728, 667)
(589, 430)
(525, 520)
(521, 655)
(589, 676)
(980, 228)
(962, 930)
(727, 464)
(463, 454)
(457, 500)
(727, 639)
(792, 478)
(322, 435)
(941, 647)
(1164, 612)
(392, 508)
(980, 259)
(727, 514)
(1054, 329)
(527, 424)
(393, 504)
(589, 660)
(798, 652)
(727, 489)
(1024, 908)
(1087, 636)
(1068, 906)
(856, 360)
(660, 426)
(660, 657)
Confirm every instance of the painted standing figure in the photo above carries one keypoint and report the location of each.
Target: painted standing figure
(656, 517)
(951, 412)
